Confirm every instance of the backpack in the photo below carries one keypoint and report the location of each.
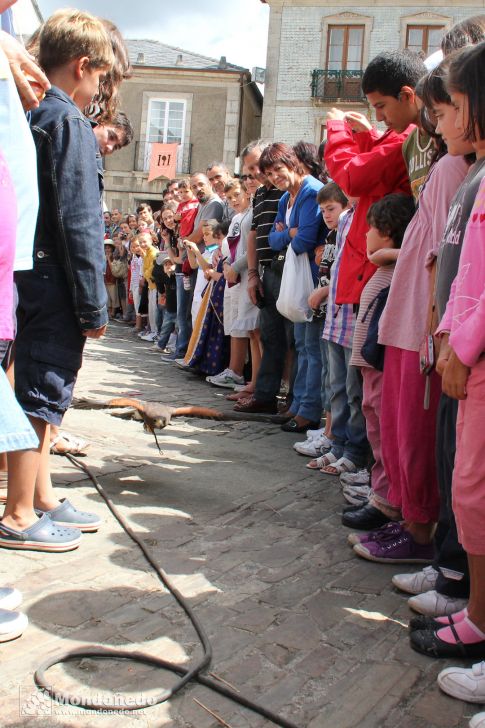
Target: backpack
(372, 351)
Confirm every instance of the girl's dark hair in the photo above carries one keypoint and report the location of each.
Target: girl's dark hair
(279, 153)
(468, 32)
(321, 157)
(432, 90)
(391, 216)
(106, 102)
(331, 192)
(465, 76)
(308, 155)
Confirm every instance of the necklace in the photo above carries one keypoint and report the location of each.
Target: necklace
(427, 145)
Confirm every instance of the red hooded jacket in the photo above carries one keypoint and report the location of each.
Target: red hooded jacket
(369, 166)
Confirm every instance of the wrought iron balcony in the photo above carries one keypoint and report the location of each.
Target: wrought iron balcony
(337, 85)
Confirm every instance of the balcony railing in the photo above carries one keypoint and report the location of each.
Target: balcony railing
(337, 85)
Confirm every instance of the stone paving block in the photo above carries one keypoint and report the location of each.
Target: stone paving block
(355, 697)
(276, 575)
(290, 593)
(277, 654)
(365, 577)
(440, 710)
(295, 632)
(280, 555)
(318, 662)
(255, 620)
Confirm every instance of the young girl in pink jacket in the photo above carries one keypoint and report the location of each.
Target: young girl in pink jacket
(462, 363)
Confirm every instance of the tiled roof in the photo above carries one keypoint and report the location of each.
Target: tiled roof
(154, 53)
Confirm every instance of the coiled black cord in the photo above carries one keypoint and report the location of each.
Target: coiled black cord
(186, 674)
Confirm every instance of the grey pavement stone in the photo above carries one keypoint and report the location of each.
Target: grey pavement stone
(251, 537)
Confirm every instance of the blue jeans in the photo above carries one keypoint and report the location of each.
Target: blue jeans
(168, 326)
(183, 326)
(160, 315)
(348, 423)
(307, 399)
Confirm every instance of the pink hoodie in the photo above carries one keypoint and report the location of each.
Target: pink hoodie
(8, 226)
(465, 312)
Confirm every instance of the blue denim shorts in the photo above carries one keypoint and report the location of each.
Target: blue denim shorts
(49, 343)
(16, 432)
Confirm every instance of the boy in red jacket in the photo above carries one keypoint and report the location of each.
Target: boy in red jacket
(369, 165)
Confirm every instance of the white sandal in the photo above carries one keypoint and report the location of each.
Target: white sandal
(76, 445)
(342, 465)
(317, 464)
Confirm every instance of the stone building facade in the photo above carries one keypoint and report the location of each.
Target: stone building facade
(211, 108)
(317, 51)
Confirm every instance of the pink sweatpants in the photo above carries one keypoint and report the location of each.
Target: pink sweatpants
(371, 409)
(408, 434)
(469, 473)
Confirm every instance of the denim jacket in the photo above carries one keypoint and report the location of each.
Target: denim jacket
(70, 228)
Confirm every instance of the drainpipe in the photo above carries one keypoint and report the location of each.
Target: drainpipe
(242, 78)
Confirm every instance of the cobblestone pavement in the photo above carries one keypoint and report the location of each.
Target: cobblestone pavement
(251, 538)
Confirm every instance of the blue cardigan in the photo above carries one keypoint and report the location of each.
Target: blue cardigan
(306, 216)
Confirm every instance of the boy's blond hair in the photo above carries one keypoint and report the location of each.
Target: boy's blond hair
(69, 34)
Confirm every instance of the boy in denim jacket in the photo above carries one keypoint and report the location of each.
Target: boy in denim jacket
(62, 301)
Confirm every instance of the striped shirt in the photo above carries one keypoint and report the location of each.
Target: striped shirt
(340, 319)
(381, 279)
(265, 208)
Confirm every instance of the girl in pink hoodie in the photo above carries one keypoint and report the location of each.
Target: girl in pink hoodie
(462, 365)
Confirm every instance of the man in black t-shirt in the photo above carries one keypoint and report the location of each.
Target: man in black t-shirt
(164, 276)
(264, 281)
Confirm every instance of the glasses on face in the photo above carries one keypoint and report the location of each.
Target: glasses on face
(245, 177)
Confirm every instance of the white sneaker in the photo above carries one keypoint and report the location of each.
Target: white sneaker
(356, 495)
(478, 721)
(361, 477)
(10, 598)
(464, 683)
(181, 363)
(417, 583)
(227, 378)
(313, 447)
(12, 624)
(151, 336)
(315, 434)
(433, 604)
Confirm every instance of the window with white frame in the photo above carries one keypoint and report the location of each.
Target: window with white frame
(165, 124)
(425, 39)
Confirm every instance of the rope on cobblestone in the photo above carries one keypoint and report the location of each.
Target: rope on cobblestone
(186, 674)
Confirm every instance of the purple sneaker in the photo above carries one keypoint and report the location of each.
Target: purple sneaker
(400, 549)
(384, 533)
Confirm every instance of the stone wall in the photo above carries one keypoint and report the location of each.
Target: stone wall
(297, 45)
